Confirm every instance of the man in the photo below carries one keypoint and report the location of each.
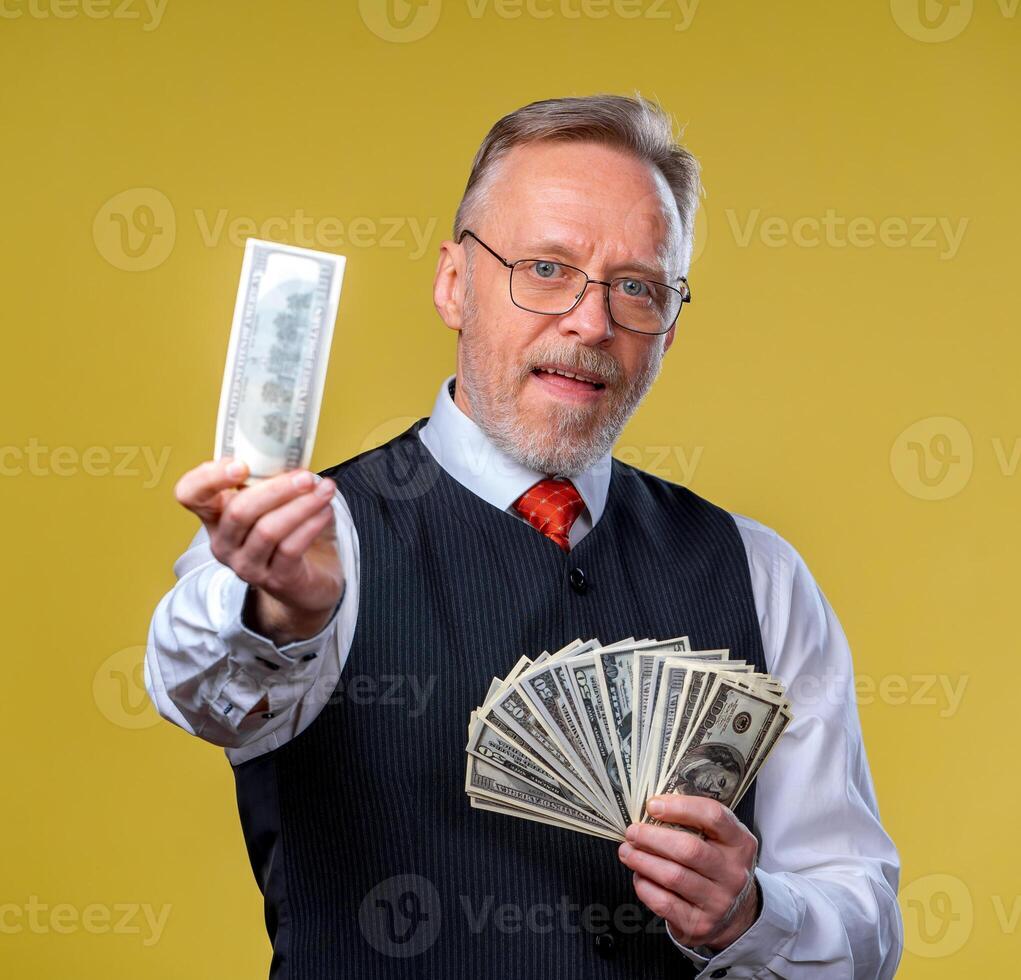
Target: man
(334, 633)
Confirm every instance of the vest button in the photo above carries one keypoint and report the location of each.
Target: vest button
(578, 582)
(605, 945)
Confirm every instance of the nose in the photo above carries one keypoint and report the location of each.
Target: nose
(590, 319)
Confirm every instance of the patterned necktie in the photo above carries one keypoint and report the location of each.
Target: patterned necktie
(551, 507)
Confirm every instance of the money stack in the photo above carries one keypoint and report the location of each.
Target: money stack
(581, 738)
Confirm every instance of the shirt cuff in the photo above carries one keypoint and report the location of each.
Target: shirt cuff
(262, 666)
(776, 927)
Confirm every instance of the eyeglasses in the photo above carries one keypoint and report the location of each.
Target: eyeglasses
(554, 288)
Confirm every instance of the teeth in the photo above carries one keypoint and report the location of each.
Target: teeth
(565, 374)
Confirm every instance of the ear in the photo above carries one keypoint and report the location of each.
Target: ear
(448, 286)
(669, 338)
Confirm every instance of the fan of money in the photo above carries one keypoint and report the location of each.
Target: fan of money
(581, 738)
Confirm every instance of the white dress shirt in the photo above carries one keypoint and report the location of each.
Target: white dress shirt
(827, 870)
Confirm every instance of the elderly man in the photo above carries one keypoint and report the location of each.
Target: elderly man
(334, 632)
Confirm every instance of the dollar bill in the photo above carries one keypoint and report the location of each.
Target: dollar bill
(556, 741)
(596, 720)
(726, 739)
(279, 345)
(491, 745)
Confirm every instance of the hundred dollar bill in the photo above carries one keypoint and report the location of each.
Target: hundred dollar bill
(510, 810)
(490, 745)
(488, 782)
(614, 676)
(717, 759)
(276, 358)
(600, 737)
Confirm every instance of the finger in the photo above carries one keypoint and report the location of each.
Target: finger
(201, 489)
(679, 847)
(687, 922)
(247, 507)
(699, 813)
(276, 525)
(674, 877)
(294, 546)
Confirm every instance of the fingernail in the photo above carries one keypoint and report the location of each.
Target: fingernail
(236, 470)
(624, 850)
(325, 488)
(631, 833)
(655, 807)
(303, 479)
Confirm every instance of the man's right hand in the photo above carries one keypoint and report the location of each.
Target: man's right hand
(278, 536)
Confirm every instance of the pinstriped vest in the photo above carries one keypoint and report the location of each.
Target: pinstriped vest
(361, 837)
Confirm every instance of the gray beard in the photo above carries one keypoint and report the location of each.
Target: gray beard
(573, 439)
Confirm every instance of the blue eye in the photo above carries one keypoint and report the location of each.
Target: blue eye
(545, 269)
(633, 288)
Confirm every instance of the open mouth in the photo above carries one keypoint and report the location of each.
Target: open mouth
(567, 380)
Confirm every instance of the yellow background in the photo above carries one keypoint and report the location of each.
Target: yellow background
(797, 370)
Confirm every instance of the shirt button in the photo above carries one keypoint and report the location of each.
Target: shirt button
(716, 974)
(578, 582)
(269, 714)
(310, 656)
(605, 945)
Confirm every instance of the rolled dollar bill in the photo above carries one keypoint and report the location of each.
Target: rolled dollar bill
(276, 359)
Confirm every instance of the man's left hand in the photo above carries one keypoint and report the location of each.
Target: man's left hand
(703, 888)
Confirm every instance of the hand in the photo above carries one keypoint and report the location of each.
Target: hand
(278, 536)
(703, 888)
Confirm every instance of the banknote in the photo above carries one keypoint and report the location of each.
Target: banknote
(726, 738)
(557, 740)
(279, 345)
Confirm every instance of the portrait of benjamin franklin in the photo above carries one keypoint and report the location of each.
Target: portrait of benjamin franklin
(714, 770)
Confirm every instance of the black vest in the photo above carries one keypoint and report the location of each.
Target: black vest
(371, 860)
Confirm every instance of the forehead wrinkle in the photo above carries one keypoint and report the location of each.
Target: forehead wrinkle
(533, 213)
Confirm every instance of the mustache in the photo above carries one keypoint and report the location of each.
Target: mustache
(576, 357)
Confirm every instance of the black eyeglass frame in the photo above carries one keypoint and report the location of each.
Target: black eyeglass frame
(685, 295)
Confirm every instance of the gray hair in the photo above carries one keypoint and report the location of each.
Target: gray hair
(634, 125)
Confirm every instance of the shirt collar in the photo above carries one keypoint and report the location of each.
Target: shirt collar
(466, 453)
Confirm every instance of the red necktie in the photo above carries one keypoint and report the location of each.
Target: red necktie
(551, 507)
